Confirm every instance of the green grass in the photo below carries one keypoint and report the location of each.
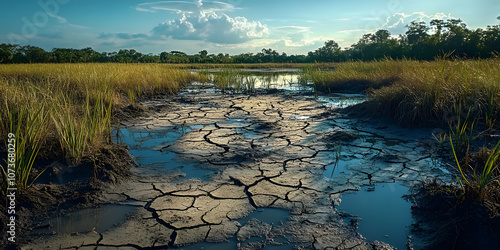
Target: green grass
(473, 183)
(462, 128)
(67, 109)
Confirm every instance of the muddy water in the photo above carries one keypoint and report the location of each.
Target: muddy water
(98, 219)
(281, 170)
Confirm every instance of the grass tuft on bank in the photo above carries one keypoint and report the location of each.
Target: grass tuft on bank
(65, 110)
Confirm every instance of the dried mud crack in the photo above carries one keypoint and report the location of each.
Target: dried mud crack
(266, 151)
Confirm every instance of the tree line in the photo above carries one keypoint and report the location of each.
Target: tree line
(421, 41)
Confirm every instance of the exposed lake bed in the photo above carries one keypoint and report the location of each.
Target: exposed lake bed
(212, 163)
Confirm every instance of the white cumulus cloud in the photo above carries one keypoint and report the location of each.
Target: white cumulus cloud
(396, 23)
(205, 21)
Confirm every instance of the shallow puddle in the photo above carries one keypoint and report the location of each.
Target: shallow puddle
(98, 219)
(150, 150)
(342, 167)
(268, 215)
(341, 100)
(262, 79)
(383, 213)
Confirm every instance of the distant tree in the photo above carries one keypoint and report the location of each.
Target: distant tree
(164, 57)
(63, 55)
(381, 36)
(34, 54)
(417, 31)
(439, 25)
(149, 58)
(328, 53)
(491, 40)
(203, 53)
(6, 52)
(86, 55)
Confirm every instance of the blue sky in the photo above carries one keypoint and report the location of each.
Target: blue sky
(227, 26)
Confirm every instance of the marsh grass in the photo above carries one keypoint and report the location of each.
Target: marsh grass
(27, 121)
(67, 109)
(440, 139)
(489, 109)
(355, 76)
(233, 80)
(250, 65)
(430, 91)
(462, 129)
(417, 92)
(71, 130)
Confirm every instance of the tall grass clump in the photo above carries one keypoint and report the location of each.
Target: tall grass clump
(27, 121)
(65, 110)
(71, 130)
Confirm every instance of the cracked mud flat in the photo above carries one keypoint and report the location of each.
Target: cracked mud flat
(212, 160)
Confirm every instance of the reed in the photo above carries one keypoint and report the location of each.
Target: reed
(441, 139)
(462, 129)
(474, 184)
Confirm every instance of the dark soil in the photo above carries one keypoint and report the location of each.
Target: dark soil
(66, 186)
(354, 86)
(447, 220)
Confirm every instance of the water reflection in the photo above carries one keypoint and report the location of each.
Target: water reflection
(150, 149)
(98, 219)
(383, 213)
(249, 80)
(341, 100)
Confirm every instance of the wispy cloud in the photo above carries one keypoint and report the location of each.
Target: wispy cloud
(354, 31)
(125, 36)
(185, 6)
(293, 28)
(341, 19)
(64, 21)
